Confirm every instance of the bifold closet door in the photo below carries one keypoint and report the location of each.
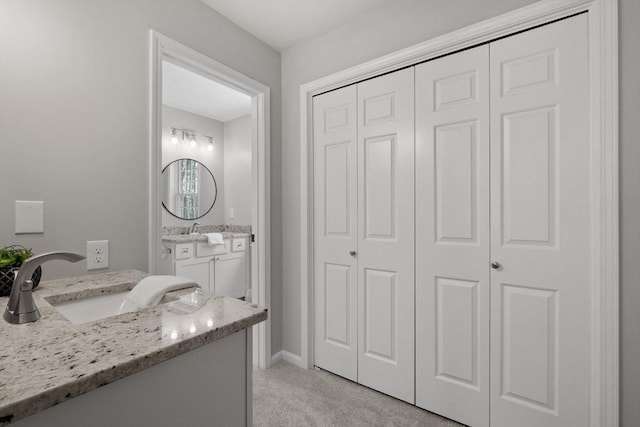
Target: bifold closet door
(364, 233)
(335, 231)
(386, 234)
(452, 231)
(540, 227)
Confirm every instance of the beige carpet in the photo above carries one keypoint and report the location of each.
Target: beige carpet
(287, 396)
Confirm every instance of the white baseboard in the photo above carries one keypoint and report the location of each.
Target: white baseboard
(294, 359)
(276, 358)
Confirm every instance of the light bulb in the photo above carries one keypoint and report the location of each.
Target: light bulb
(174, 136)
(210, 145)
(192, 140)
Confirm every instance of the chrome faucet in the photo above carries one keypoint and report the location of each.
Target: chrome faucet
(193, 227)
(21, 307)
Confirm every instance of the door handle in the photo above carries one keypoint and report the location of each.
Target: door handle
(496, 265)
(353, 253)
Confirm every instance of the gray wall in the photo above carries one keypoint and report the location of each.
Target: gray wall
(237, 170)
(213, 160)
(74, 114)
(630, 212)
(401, 24)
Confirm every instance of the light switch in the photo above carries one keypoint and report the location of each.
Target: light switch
(29, 217)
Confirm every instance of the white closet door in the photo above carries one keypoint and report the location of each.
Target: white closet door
(335, 231)
(540, 234)
(386, 234)
(452, 232)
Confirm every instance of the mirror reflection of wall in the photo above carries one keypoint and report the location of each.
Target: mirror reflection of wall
(199, 108)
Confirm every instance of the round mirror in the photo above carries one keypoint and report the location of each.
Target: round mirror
(189, 189)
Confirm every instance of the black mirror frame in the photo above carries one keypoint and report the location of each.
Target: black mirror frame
(215, 184)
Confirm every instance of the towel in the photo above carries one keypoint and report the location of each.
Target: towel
(150, 290)
(214, 239)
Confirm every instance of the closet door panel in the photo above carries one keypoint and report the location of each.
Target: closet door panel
(540, 298)
(452, 232)
(379, 186)
(455, 164)
(386, 234)
(335, 232)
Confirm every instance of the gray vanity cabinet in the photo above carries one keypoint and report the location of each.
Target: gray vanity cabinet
(220, 269)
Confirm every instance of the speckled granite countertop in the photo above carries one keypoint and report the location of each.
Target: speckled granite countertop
(52, 360)
(184, 238)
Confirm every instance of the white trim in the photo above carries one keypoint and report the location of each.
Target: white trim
(603, 33)
(276, 358)
(163, 47)
(603, 53)
(284, 355)
(294, 359)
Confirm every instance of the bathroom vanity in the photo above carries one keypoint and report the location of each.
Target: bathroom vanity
(220, 269)
(171, 364)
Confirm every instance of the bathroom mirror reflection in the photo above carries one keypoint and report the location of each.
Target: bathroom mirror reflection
(189, 189)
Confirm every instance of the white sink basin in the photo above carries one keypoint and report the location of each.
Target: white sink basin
(148, 292)
(92, 308)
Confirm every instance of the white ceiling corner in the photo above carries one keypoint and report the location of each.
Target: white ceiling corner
(285, 23)
(189, 91)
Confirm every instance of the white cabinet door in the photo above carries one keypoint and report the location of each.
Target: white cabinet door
(386, 234)
(452, 232)
(540, 227)
(335, 232)
(199, 270)
(230, 275)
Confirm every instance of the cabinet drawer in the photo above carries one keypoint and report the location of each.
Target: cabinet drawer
(184, 250)
(204, 249)
(238, 245)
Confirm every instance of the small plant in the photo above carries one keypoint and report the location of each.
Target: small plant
(11, 258)
(13, 255)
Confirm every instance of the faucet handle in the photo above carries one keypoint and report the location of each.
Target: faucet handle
(26, 286)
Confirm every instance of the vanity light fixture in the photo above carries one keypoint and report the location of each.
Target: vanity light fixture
(174, 136)
(191, 137)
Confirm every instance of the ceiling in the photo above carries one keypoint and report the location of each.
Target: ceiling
(189, 91)
(284, 23)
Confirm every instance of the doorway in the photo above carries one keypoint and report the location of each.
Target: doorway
(199, 109)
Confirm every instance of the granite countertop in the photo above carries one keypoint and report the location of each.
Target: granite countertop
(46, 362)
(184, 238)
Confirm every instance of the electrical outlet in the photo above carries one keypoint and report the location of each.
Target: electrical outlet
(97, 254)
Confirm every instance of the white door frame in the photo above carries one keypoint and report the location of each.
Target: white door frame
(163, 47)
(603, 72)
